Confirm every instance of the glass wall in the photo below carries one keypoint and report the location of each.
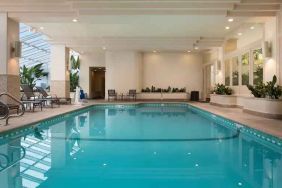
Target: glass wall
(227, 72)
(235, 71)
(245, 60)
(257, 66)
(35, 50)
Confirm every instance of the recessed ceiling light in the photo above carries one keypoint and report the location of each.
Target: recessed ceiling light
(227, 27)
(252, 27)
(41, 28)
(104, 48)
(240, 34)
(74, 20)
(230, 19)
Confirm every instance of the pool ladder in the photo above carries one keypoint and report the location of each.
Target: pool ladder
(8, 161)
(6, 109)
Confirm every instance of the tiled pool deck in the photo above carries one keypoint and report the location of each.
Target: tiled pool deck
(270, 126)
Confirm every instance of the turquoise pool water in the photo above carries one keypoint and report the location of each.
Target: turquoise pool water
(140, 146)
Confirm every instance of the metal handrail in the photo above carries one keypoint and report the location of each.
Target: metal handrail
(5, 108)
(18, 102)
(12, 163)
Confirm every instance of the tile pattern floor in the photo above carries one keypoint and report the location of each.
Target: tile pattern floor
(270, 126)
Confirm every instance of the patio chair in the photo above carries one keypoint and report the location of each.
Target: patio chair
(44, 95)
(9, 103)
(132, 94)
(112, 94)
(29, 99)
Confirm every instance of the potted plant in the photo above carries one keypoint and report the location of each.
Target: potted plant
(266, 99)
(222, 96)
(30, 75)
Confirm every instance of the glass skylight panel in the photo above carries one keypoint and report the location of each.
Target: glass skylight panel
(35, 49)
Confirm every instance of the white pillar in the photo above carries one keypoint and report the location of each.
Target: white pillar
(279, 46)
(59, 70)
(9, 65)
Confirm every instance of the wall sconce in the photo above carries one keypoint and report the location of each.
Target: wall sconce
(218, 65)
(16, 51)
(267, 49)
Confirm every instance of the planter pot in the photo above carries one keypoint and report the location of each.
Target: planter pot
(160, 96)
(223, 100)
(270, 108)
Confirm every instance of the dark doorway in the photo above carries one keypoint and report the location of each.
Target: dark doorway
(97, 82)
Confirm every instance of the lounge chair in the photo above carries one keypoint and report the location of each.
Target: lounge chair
(29, 99)
(132, 94)
(112, 94)
(48, 98)
(6, 108)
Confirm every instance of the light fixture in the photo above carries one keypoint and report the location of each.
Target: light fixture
(230, 19)
(252, 27)
(74, 20)
(41, 28)
(227, 27)
(104, 48)
(188, 51)
(240, 34)
(16, 50)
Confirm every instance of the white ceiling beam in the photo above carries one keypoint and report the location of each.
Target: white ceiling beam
(265, 2)
(152, 5)
(251, 13)
(151, 12)
(258, 7)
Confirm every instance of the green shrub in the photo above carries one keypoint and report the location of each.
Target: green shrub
(269, 89)
(272, 91)
(221, 89)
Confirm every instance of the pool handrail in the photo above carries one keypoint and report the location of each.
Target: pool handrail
(22, 111)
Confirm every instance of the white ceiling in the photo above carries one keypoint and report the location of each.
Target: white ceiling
(139, 24)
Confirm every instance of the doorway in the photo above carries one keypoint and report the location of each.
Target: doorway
(97, 82)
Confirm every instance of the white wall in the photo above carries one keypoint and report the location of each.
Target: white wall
(174, 70)
(123, 71)
(87, 60)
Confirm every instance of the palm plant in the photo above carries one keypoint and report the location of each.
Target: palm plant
(74, 73)
(30, 75)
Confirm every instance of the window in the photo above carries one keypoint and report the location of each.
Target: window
(235, 71)
(35, 50)
(258, 66)
(227, 72)
(245, 60)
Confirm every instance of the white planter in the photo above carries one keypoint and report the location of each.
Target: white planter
(160, 96)
(223, 100)
(271, 108)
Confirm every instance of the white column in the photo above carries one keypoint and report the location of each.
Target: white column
(59, 70)
(279, 45)
(9, 65)
(271, 65)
